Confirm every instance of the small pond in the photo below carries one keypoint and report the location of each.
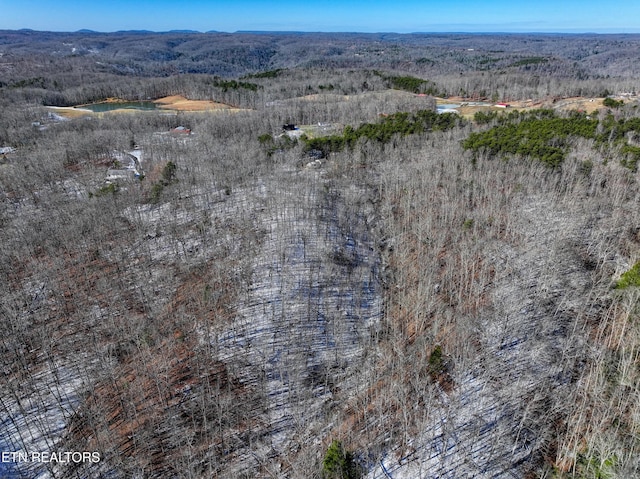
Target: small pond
(448, 106)
(119, 105)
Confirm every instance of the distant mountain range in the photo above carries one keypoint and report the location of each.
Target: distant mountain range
(236, 54)
(86, 30)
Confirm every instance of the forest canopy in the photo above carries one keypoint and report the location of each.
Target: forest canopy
(299, 263)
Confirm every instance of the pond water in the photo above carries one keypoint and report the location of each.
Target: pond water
(448, 106)
(120, 105)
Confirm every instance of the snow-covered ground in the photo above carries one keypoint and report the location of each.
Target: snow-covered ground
(309, 310)
(498, 413)
(36, 421)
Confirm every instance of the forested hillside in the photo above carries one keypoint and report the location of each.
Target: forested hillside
(328, 277)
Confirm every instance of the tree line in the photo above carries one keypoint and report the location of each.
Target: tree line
(546, 136)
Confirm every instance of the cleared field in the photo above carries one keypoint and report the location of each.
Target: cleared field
(408, 100)
(180, 103)
(69, 111)
(174, 102)
(588, 105)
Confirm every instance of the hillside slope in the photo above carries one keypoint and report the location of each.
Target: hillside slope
(251, 294)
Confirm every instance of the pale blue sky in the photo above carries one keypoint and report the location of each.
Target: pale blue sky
(328, 15)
